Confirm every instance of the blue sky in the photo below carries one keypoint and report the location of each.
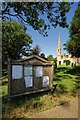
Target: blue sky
(38, 0)
(48, 44)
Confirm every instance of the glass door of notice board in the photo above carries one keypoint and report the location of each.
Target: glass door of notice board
(28, 76)
(38, 77)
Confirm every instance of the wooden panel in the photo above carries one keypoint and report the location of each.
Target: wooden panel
(38, 83)
(18, 86)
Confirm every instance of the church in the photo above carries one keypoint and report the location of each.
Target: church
(62, 58)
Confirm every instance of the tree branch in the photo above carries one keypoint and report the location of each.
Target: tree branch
(17, 15)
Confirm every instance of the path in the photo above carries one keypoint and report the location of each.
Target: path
(65, 111)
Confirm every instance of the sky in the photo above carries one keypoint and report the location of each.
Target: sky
(37, 0)
(48, 45)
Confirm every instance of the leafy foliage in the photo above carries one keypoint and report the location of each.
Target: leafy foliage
(50, 58)
(73, 44)
(67, 62)
(14, 39)
(39, 15)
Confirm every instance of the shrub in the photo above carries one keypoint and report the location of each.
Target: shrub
(67, 62)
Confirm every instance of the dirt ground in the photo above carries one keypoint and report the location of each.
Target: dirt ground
(69, 110)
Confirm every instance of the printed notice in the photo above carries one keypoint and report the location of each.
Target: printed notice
(28, 81)
(45, 81)
(39, 71)
(16, 71)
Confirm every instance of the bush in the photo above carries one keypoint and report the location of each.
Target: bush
(77, 84)
(67, 62)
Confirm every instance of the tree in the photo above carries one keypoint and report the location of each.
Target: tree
(36, 50)
(73, 44)
(39, 15)
(14, 39)
(50, 58)
(67, 62)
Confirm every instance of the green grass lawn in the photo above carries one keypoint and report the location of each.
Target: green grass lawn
(66, 79)
(25, 106)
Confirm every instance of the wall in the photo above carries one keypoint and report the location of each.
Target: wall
(73, 60)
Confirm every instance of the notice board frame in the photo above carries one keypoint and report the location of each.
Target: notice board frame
(22, 63)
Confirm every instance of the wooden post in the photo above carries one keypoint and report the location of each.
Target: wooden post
(9, 78)
(52, 74)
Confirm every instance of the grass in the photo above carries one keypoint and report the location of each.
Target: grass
(66, 80)
(4, 90)
(26, 106)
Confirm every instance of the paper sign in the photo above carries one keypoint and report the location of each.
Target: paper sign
(45, 81)
(39, 71)
(28, 81)
(27, 71)
(16, 71)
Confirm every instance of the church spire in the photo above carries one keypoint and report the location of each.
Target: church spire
(59, 46)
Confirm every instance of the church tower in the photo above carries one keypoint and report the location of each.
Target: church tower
(59, 50)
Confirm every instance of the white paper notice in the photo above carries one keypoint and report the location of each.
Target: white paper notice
(39, 71)
(45, 81)
(28, 81)
(27, 71)
(16, 71)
